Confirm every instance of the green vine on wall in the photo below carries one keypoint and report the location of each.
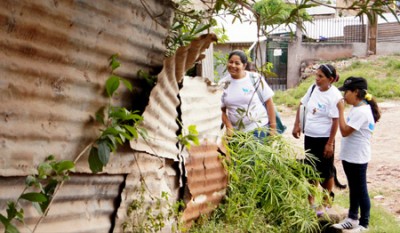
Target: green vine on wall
(120, 124)
(39, 190)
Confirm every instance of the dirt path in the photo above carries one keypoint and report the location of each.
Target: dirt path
(384, 169)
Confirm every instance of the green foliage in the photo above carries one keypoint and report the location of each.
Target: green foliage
(220, 61)
(268, 189)
(190, 135)
(220, 32)
(279, 12)
(41, 188)
(187, 25)
(120, 125)
(291, 97)
(151, 80)
(382, 76)
(145, 217)
(113, 81)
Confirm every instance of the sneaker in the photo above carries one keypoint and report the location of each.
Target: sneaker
(348, 223)
(356, 229)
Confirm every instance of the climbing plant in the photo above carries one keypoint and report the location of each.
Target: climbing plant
(39, 189)
(119, 124)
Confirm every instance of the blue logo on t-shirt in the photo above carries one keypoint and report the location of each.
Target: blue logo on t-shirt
(245, 90)
(371, 126)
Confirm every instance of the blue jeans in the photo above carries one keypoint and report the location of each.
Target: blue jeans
(359, 199)
(261, 133)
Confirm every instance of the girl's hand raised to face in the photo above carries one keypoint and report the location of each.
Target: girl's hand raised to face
(340, 105)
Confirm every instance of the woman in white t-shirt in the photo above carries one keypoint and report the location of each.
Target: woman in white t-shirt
(321, 125)
(355, 151)
(242, 108)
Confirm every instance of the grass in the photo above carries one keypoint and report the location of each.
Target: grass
(382, 74)
(381, 221)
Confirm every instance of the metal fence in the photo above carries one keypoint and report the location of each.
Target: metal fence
(335, 30)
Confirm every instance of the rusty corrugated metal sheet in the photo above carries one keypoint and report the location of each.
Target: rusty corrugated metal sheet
(206, 177)
(84, 204)
(161, 113)
(207, 181)
(54, 63)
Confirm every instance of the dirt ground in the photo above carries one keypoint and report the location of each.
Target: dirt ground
(383, 173)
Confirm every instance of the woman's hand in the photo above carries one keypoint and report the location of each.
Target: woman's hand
(272, 130)
(229, 131)
(328, 151)
(296, 132)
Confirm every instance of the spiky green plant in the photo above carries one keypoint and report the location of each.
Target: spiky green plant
(268, 188)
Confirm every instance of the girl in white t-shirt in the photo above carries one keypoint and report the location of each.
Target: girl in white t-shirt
(355, 151)
(242, 108)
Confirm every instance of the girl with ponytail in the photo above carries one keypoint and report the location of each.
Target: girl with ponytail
(355, 151)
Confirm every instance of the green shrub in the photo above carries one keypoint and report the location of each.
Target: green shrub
(267, 191)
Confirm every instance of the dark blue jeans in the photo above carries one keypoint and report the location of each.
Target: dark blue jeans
(359, 199)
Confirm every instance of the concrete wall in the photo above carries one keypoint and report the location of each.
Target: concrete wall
(301, 52)
(387, 48)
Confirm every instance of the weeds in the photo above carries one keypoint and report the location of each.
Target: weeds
(149, 217)
(268, 189)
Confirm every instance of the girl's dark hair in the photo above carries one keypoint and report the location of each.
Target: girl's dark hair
(329, 72)
(372, 103)
(240, 54)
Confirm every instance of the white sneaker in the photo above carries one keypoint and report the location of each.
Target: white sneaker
(347, 223)
(356, 229)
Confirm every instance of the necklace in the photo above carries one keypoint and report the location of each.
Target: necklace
(362, 102)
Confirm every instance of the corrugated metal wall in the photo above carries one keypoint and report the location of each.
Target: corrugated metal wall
(54, 63)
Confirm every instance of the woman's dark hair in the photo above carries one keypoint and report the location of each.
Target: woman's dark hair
(361, 94)
(329, 72)
(251, 67)
(372, 103)
(240, 54)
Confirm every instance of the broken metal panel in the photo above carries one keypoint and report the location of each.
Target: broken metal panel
(201, 106)
(206, 180)
(161, 113)
(206, 177)
(144, 187)
(54, 64)
(160, 117)
(83, 204)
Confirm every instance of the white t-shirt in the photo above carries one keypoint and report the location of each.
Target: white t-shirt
(356, 147)
(321, 108)
(243, 106)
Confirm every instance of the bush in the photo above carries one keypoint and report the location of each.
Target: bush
(267, 191)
